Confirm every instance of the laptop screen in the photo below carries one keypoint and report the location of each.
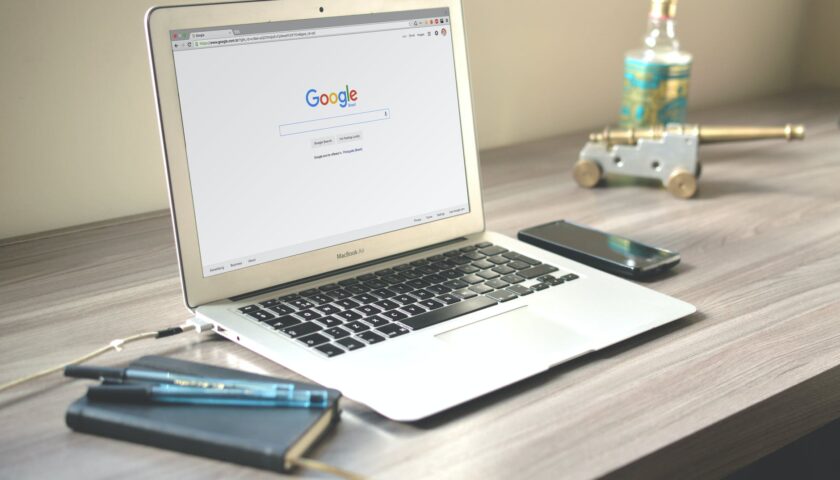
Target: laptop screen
(305, 134)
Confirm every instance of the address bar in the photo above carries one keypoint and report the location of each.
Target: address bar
(299, 34)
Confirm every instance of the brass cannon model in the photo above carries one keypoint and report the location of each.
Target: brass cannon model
(668, 153)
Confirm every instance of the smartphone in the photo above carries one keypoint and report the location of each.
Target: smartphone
(601, 250)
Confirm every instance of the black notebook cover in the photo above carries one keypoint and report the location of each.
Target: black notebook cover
(259, 437)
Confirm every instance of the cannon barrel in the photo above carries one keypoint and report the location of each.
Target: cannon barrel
(705, 134)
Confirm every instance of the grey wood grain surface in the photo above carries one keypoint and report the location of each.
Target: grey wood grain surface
(755, 368)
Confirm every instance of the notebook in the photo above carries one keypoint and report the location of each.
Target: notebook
(265, 438)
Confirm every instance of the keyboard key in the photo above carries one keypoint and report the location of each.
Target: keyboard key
(349, 315)
(483, 244)
(517, 264)
(366, 277)
(537, 271)
(350, 344)
(365, 298)
(498, 283)
(569, 277)
(451, 274)
(329, 287)
(435, 258)
(468, 248)
(347, 304)
(451, 253)
(505, 270)
(456, 284)
(449, 312)
(369, 310)
(269, 303)
(550, 280)
(357, 289)
(413, 309)
(431, 304)
(417, 283)
(467, 269)
(387, 304)
(434, 279)
(425, 270)
(395, 315)
(513, 279)
(282, 309)
(249, 308)
(329, 321)
(449, 298)
(538, 287)
(310, 292)
(419, 263)
(464, 294)
(401, 288)
(474, 255)
(313, 340)
(284, 321)
(394, 279)
(498, 260)
(370, 337)
(383, 272)
(521, 258)
(481, 289)
(411, 274)
(289, 297)
(261, 315)
(502, 295)
(356, 327)
(383, 293)
(494, 250)
(472, 279)
(376, 321)
(462, 260)
(308, 314)
(329, 349)
(520, 290)
(376, 284)
(422, 294)
(328, 309)
(340, 294)
(404, 299)
(483, 264)
(445, 265)
(320, 299)
(337, 332)
(402, 268)
(439, 289)
(488, 274)
(348, 281)
(392, 330)
(302, 329)
(301, 304)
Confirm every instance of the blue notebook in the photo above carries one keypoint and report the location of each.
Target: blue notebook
(259, 437)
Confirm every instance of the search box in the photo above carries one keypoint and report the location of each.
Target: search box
(335, 122)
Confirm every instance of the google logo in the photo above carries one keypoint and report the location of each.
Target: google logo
(342, 98)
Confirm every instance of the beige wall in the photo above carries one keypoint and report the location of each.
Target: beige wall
(78, 139)
(820, 60)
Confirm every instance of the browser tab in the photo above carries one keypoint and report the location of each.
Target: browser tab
(211, 34)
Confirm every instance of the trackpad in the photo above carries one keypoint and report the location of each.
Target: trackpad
(520, 334)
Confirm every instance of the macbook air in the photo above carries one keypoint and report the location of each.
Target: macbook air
(325, 192)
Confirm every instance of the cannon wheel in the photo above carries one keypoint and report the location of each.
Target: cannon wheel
(681, 184)
(587, 173)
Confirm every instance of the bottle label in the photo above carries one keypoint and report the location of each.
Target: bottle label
(654, 93)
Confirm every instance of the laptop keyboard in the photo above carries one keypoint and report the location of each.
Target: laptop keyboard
(341, 317)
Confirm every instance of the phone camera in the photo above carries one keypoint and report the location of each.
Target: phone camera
(321, 9)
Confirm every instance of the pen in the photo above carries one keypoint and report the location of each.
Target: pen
(168, 393)
(154, 376)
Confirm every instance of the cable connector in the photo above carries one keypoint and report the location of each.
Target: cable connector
(199, 324)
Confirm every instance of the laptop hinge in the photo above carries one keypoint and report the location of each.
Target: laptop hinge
(343, 270)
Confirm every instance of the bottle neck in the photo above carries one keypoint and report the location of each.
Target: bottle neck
(661, 34)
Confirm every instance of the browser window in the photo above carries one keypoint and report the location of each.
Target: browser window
(302, 135)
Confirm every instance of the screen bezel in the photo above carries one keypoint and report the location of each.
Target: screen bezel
(197, 288)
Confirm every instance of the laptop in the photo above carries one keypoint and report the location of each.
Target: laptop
(326, 199)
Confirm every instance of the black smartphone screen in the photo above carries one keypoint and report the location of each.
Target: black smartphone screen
(613, 248)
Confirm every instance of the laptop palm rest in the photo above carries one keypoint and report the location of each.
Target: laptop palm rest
(522, 334)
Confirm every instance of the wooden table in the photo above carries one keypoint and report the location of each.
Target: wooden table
(756, 368)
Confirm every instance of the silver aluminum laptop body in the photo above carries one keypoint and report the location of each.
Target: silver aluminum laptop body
(296, 165)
